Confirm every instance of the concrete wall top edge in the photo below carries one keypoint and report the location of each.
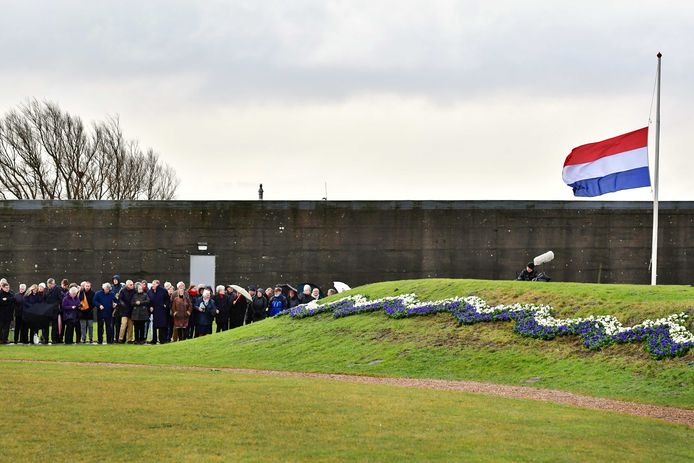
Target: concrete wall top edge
(374, 205)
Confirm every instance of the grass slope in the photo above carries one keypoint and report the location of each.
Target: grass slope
(436, 347)
(87, 413)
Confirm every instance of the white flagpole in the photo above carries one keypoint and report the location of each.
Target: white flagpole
(654, 246)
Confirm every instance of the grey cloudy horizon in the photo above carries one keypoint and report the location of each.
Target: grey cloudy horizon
(380, 99)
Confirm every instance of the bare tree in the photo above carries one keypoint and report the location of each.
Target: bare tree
(46, 153)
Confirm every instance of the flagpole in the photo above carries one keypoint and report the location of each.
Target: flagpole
(654, 246)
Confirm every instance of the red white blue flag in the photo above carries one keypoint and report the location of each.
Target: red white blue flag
(618, 163)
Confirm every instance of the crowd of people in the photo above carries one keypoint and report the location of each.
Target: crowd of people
(136, 312)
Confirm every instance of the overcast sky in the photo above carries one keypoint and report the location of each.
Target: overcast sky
(380, 99)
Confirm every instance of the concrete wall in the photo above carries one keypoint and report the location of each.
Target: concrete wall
(356, 241)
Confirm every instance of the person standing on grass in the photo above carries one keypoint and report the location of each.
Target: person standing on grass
(159, 301)
(260, 305)
(87, 312)
(181, 308)
(140, 313)
(105, 304)
(239, 310)
(206, 312)
(293, 299)
(305, 296)
(278, 303)
(32, 297)
(124, 301)
(169, 321)
(53, 295)
(71, 307)
(193, 293)
(21, 330)
(223, 304)
(6, 310)
(116, 286)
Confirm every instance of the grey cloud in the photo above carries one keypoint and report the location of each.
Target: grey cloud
(331, 50)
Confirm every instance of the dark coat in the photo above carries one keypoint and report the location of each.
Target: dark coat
(527, 276)
(32, 299)
(159, 300)
(6, 305)
(205, 312)
(89, 313)
(124, 301)
(18, 306)
(223, 304)
(140, 312)
(239, 307)
(260, 305)
(53, 295)
(107, 300)
(293, 301)
(305, 298)
(71, 308)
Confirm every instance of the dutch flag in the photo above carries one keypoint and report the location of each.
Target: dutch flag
(618, 163)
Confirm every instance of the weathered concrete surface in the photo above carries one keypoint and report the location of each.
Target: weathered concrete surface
(352, 241)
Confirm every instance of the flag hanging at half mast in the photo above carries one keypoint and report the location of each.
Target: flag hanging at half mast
(618, 163)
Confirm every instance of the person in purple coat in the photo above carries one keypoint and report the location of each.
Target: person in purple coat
(71, 313)
(159, 303)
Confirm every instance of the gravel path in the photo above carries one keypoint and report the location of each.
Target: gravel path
(671, 414)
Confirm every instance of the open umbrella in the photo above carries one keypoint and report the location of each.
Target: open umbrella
(340, 286)
(242, 292)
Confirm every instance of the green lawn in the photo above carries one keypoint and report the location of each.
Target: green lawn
(88, 413)
(436, 347)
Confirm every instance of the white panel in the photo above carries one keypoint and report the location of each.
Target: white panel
(202, 270)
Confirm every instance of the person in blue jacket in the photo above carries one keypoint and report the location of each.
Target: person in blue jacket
(278, 303)
(105, 304)
(206, 310)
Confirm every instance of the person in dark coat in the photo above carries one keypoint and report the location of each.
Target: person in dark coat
(140, 313)
(305, 296)
(87, 313)
(223, 304)
(529, 273)
(54, 295)
(293, 300)
(278, 303)
(206, 310)
(6, 310)
(105, 304)
(32, 297)
(21, 329)
(124, 301)
(71, 308)
(239, 308)
(260, 305)
(159, 303)
(116, 286)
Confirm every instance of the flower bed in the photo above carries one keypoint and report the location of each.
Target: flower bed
(665, 337)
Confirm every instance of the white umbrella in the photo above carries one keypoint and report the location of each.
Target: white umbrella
(242, 292)
(340, 286)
